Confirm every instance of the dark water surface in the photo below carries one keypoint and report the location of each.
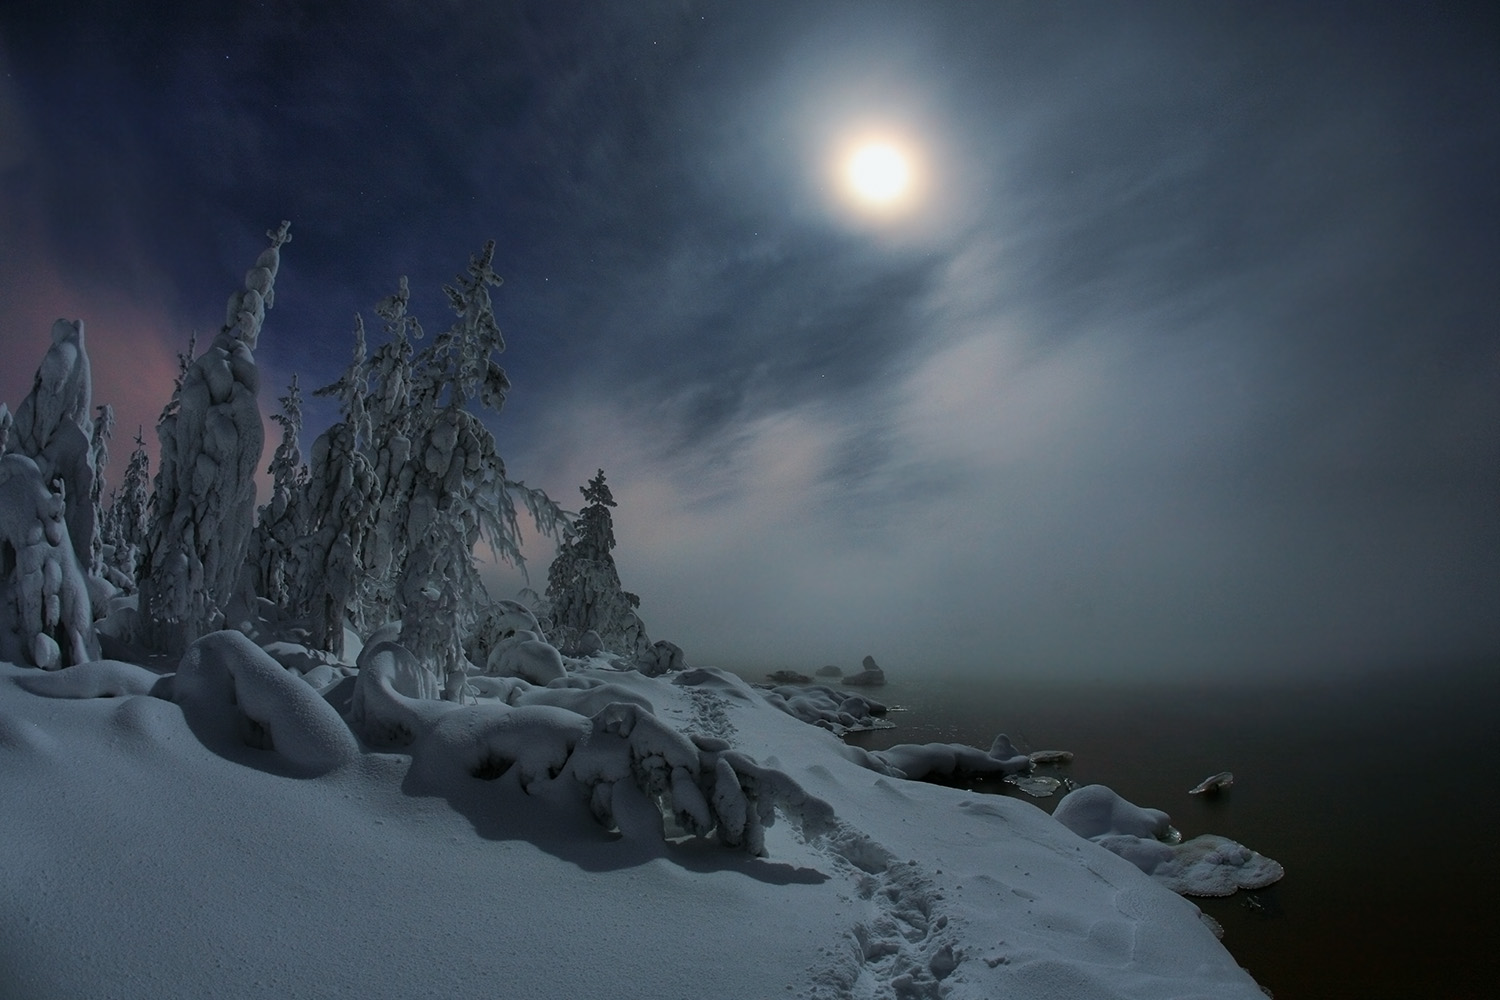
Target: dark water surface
(1378, 791)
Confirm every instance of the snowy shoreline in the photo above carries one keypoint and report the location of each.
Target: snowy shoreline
(189, 867)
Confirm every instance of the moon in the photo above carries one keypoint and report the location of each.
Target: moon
(878, 175)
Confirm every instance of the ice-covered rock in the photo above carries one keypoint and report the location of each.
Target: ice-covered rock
(1051, 756)
(829, 670)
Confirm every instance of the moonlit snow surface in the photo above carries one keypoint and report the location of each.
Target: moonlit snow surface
(173, 848)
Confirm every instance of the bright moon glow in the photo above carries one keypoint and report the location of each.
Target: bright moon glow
(878, 173)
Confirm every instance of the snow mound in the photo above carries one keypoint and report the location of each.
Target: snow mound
(97, 679)
(1207, 865)
(234, 695)
(390, 692)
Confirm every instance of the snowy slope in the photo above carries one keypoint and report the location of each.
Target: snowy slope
(147, 857)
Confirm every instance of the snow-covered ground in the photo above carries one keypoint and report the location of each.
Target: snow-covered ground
(255, 833)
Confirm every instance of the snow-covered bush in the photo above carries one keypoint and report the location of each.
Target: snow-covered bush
(204, 504)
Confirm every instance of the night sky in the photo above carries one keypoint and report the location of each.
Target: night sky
(1182, 352)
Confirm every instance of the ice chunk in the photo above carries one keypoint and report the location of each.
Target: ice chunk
(1210, 865)
(1035, 785)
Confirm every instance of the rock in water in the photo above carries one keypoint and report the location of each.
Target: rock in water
(1214, 784)
(871, 676)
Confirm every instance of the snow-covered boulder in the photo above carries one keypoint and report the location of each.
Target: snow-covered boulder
(919, 761)
(662, 657)
(527, 656)
(235, 695)
(1207, 865)
(818, 705)
(46, 616)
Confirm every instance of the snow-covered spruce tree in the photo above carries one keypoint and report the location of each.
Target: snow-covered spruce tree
(458, 492)
(125, 524)
(204, 504)
(104, 428)
(412, 480)
(54, 428)
(583, 586)
(46, 493)
(341, 510)
(46, 615)
(284, 519)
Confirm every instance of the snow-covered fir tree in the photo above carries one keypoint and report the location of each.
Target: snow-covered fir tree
(583, 585)
(204, 503)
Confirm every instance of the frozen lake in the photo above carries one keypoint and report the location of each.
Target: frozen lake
(1375, 790)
